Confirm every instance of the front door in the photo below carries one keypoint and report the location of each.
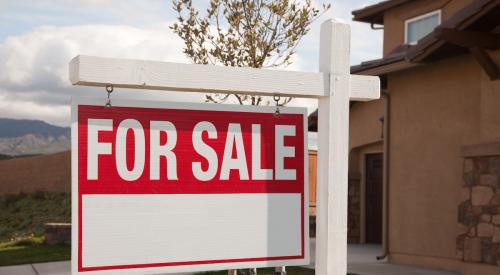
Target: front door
(373, 206)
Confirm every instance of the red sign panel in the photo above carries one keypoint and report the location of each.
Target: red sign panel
(169, 187)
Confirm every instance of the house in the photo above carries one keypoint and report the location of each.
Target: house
(424, 161)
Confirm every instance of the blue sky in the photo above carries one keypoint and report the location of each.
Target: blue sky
(38, 38)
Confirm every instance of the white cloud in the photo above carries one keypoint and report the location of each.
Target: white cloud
(34, 66)
(34, 80)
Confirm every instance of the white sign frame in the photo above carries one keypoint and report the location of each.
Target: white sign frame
(76, 101)
(334, 87)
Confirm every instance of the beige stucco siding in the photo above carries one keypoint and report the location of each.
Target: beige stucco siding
(394, 19)
(435, 109)
(490, 106)
(365, 129)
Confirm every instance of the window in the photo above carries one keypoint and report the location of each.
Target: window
(420, 26)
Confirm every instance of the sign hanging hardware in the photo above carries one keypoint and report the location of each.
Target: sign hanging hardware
(276, 99)
(109, 90)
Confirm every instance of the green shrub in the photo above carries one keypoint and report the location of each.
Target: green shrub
(25, 214)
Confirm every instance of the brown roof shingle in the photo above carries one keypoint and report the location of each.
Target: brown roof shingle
(480, 15)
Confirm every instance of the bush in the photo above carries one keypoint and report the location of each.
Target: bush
(25, 214)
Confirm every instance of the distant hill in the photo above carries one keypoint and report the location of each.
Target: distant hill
(31, 137)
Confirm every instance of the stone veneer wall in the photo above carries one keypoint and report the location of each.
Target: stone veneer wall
(479, 211)
(353, 210)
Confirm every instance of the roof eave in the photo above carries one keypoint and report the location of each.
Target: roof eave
(384, 69)
(375, 13)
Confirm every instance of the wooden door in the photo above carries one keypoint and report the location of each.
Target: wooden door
(373, 197)
(312, 182)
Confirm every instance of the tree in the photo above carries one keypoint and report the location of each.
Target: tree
(244, 33)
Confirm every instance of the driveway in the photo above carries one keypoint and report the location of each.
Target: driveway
(360, 260)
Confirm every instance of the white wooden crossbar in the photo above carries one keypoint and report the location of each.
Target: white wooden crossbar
(155, 75)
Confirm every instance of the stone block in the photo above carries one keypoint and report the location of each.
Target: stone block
(496, 234)
(466, 214)
(465, 194)
(488, 251)
(476, 210)
(485, 218)
(470, 179)
(57, 233)
(485, 229)
(472, 250)
(481, 195)
(488, 180)
(494, 165)
(496, 219)
(490, 209)
(472, 232)
(468, 165)
(481, 165)
(496, 199)
(462, 229)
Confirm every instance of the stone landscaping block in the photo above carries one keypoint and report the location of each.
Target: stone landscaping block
(488, 179)
(57, 233)
(472, 250)
(481, 195)
(485, 229)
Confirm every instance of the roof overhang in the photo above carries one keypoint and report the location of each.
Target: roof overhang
(375, 13)
(476, 19)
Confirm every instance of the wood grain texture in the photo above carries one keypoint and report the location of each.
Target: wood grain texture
(333, 137)
(154, 75)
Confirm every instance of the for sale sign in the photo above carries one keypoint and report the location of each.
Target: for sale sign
(170, 187)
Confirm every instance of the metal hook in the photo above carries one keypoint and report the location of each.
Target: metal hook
(276, 99)
(109, 89)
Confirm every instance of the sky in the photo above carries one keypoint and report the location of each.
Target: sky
(39, 38)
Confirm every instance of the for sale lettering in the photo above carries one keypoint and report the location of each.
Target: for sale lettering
(129, 150)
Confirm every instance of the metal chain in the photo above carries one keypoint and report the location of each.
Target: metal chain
(276, 99)
(109, 90)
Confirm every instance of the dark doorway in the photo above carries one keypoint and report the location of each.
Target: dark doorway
(373, 196)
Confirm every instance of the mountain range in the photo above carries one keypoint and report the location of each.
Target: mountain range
(31, 137)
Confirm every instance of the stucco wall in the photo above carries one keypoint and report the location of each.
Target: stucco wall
(435, 109)
(365, 126)
(394, 19)
(40, 173)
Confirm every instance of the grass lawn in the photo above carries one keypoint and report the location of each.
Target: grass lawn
(22, 216)
(32, 250)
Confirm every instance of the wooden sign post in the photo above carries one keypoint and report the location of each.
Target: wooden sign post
(333, 86)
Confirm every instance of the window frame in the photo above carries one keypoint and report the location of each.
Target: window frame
(416, 18)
